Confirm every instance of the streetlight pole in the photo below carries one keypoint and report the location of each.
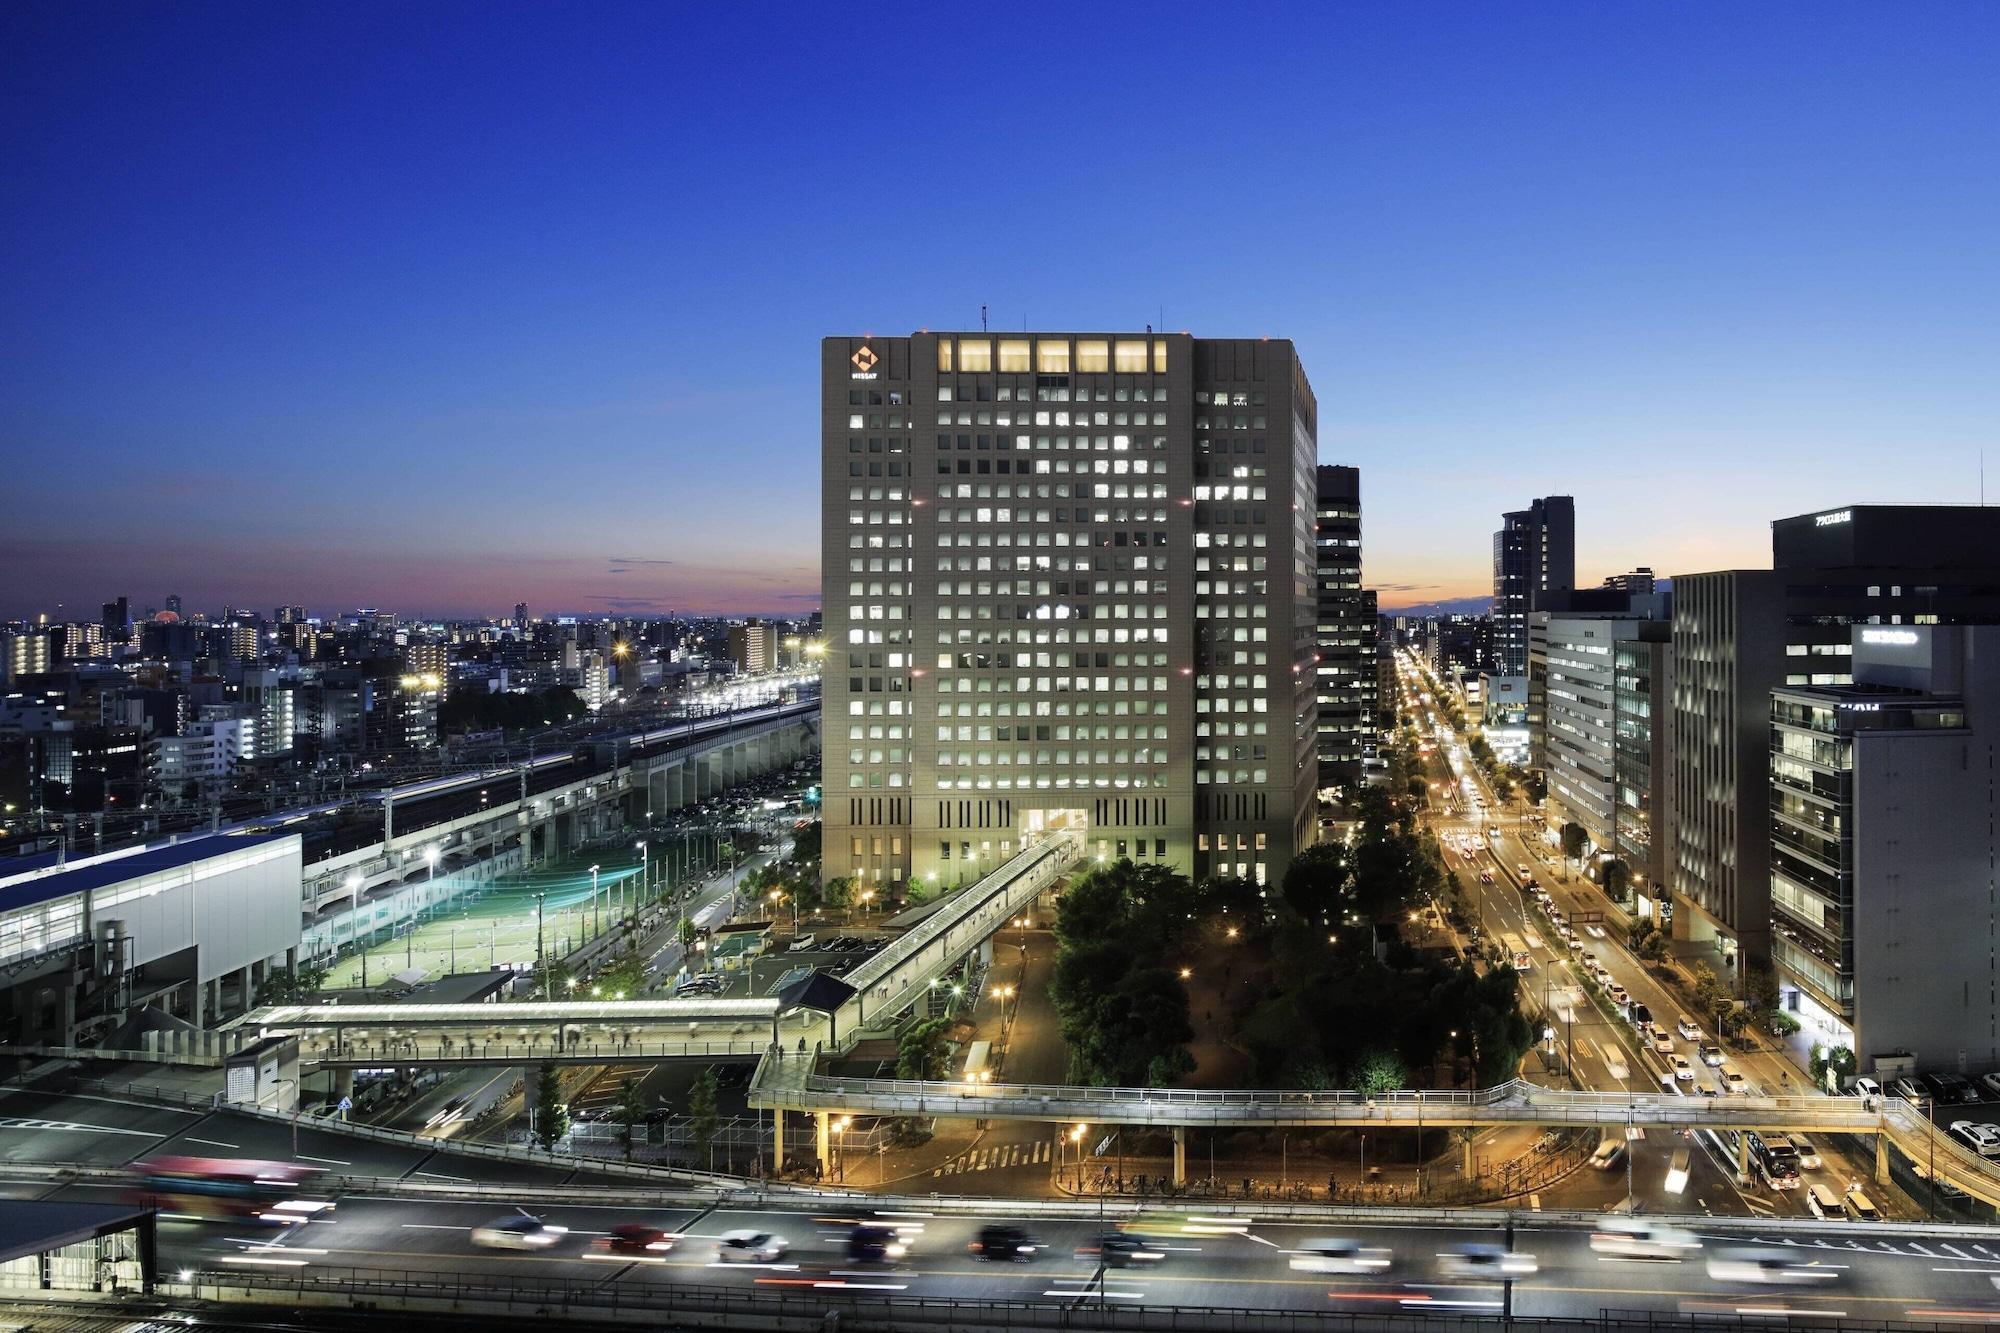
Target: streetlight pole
(596, 921)
(540, 965)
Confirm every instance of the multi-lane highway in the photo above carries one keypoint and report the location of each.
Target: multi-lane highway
(1840, 1271)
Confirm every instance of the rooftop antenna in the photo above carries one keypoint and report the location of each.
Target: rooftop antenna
(1982, 476)
(982, 317)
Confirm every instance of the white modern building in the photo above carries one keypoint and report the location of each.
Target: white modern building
(189, 927)
(206, 754)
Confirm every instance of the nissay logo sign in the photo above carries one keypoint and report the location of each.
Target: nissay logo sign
(864, 363)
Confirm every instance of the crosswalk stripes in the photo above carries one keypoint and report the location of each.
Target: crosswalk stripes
(995, 1157)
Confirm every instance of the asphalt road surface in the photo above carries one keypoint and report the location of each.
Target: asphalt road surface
(1857, 1275)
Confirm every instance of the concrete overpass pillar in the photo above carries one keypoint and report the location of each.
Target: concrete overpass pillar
(777, 1140)
(1881, 1159)
(1468, 1166)
(1742, 1155)
(1180, 1155)
(823, 1132)
(343, 1084)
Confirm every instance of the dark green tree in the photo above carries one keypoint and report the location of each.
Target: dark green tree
(922, 1052)
(1573, 840)
(703, 1120)
(551, 1111)
(631, 1113)
(1315, 881)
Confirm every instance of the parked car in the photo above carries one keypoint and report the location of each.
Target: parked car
(1909, 1089)
(1687, 1028)
(1991, 1083)
(1864, 1086)
(1982, 1139)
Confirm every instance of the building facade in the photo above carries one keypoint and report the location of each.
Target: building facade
(1608, 678)
(1751, 631)
(1534, 565)
(1069, 584)
(1346, 635)
(753, 646)
(1883, 805)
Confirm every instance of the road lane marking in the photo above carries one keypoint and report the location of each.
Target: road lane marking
(213, 1143)
(331, 1161)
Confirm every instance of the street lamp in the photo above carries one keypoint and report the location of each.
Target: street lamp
(1076, 1141)
(595, 926)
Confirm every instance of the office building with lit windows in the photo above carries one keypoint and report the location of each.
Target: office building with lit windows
(1069, 583)
(1534, 569)
(1740, 634)
(1883, 806)
(1346, 643)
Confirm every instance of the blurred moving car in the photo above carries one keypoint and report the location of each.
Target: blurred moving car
(874, 1244)
(1117, 1249)
(750, 1247)
(1340, 1256)
(1005, 1244)
(518, 1232)
(1634, 1238)
(636, 1238)
(1487, 1261)
(1768, 1268)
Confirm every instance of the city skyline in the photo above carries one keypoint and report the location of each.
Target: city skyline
(401, 327)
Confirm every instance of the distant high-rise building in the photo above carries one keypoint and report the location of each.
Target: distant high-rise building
(1069, 584)
(117, 620)
(1346, 631)
(291, 615)
(1740, 634)
(174, 603)
(1534, 565)
(753, 646)
(430, 660)
(521, 613)
(245, 642)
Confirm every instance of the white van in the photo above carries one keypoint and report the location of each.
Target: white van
(801, 943)
(1825, 1204)
(1860, 1208)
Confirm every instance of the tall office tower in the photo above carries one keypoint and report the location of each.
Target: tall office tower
(174, 603)
(1069, 583)
(521, 613)
(291, 615)
(1740, 634)
(1534, 565)
(1346, 637)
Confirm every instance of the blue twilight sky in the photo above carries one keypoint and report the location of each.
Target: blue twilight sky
(437, 307)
